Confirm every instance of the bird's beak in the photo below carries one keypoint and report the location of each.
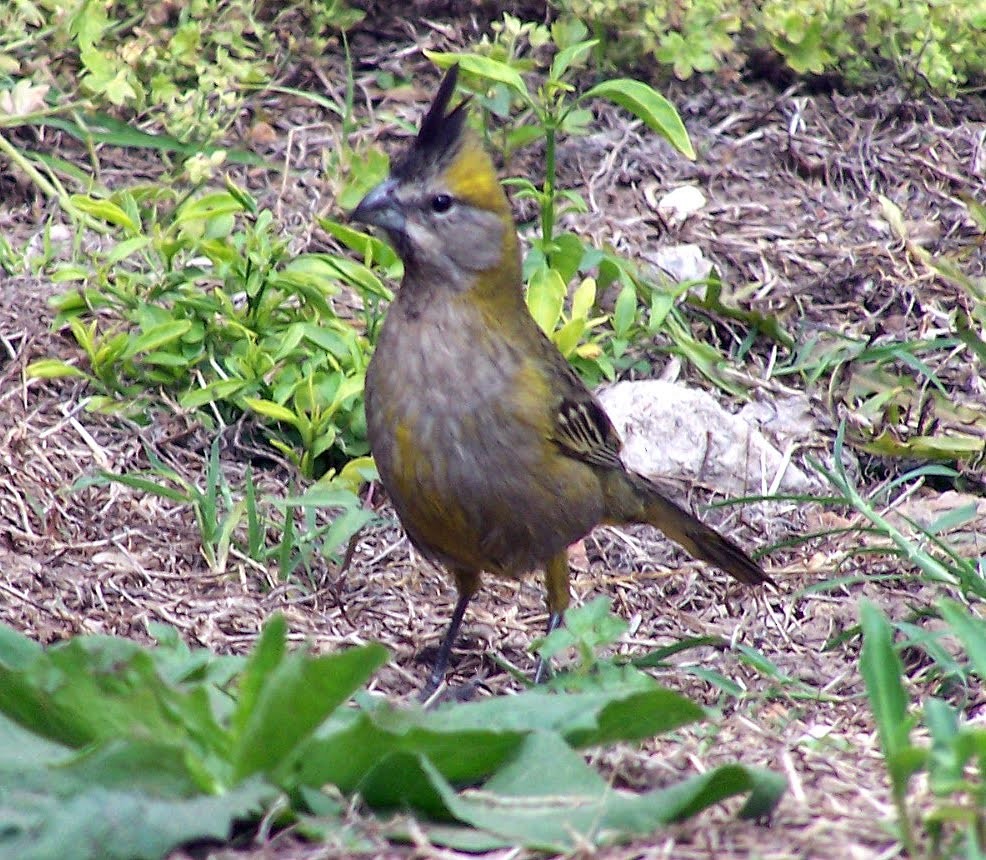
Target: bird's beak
(381, 208)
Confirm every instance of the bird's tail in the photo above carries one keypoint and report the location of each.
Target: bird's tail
(632, 498)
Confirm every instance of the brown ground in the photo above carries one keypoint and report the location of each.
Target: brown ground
(793, 182)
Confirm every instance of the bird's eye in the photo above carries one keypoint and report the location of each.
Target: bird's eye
(441, 203)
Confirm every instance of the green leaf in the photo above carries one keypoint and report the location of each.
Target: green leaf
(267, 653)
(54, 805)
(546, 798)
(125, 249)
(545, 298)
(352, 744)
(51, 368)
(646, 104)
(208, 206)
(625, 311)
(156, 337)
(584, 299)
(325, 269)
(573, 54)
(136, 482)
(272, 410)
(104, 210)
(102, 128)
(882, 671)
(221, 389)
(96, 689)
(970, 630)
(567, 255)
(946, 763)
(296, 696)
(483, 67)
(584, 719)
(568, 336)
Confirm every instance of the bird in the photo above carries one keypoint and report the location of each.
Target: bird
(494, 453)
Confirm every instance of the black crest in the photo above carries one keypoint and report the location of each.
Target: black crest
(440, 130)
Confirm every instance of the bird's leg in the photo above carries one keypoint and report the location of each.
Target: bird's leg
(445, 649)
(543, 669)
(556, 584)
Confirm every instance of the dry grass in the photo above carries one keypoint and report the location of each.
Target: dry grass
(792, 181)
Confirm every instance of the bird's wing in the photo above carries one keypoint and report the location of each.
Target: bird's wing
(582, 428)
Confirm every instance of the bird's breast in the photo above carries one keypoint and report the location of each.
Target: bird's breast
(459, 424)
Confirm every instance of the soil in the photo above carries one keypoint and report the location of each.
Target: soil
(794, 223)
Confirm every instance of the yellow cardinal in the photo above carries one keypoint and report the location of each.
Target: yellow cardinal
(495, 454)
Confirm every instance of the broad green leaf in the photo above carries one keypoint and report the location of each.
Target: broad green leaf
(352, 744)
(319, 495)
(584, 298)
(208, 206)
(372, 249)
(17, 652)
(97, 688)
(545, 298)
(625, 311)
(270, 409)
(221, 389)
(546, 798)
(584, 719)
(882, 671)
(51, 819)
(125, 249)
(403, 780)
(946, 761)
(483, 67)
(135, 765)
(325, 270)
(294, 699)
(51, 368)
(67, 272)
(343, 527)
(156, 337)
(356, 473)
(572, 54)
(104, 210)
(569, 335)
(267, 654)
(646, 104)
(567, 255)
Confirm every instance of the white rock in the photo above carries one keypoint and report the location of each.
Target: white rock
(681, 262)
(678, 204)
(672, 431)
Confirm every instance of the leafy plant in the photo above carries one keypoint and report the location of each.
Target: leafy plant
(934, 557)
(955, 761)
(233, 738)
(190, 68)
(243, 526)
(201, 298)
(934, 46)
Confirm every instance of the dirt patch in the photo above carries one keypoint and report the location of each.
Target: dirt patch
(795, 225)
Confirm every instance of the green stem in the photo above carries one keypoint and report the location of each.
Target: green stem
(548, 192)
(35, 175)
(899, 793)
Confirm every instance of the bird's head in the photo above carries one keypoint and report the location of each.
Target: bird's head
(442, 206)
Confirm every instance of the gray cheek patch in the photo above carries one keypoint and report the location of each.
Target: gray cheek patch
(472, 238)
